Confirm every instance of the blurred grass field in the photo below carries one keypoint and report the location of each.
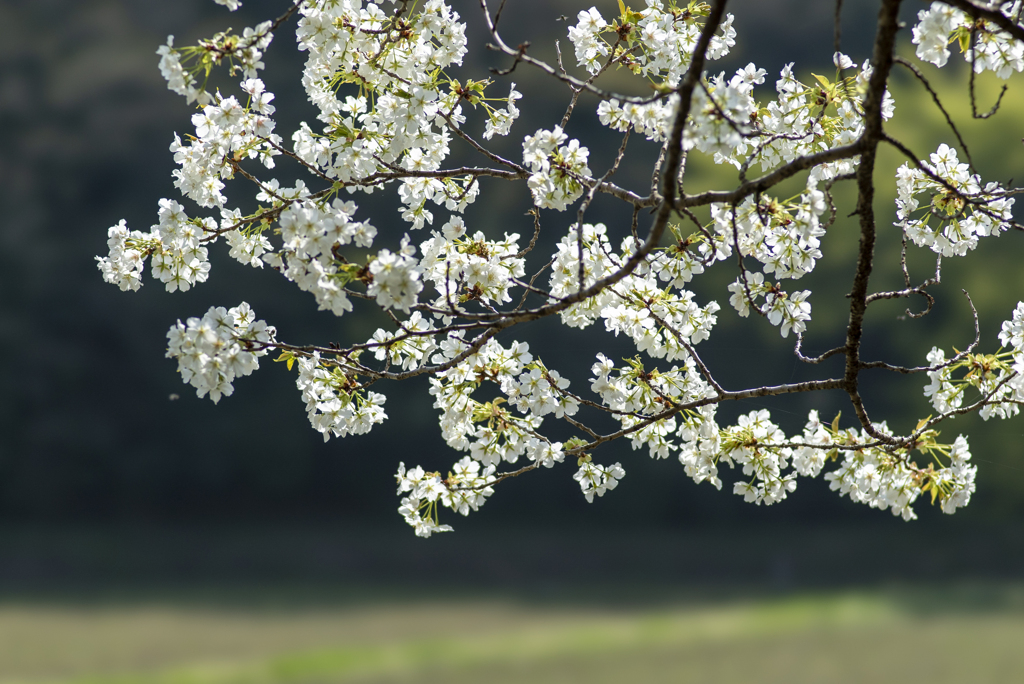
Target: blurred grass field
(935, 635)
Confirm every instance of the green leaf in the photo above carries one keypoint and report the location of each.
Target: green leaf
(823, 81)
(633, 17)
(965, 39)
(835, 423)
(288, 357)
(622, 7)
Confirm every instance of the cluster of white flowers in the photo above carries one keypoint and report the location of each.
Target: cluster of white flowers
(247, 246)
(699, 445)
(226, 132)
(538, 391)
(665, 36)
(992, 49)
(882, 480)
(585, 36)
(1012, 333)
(396, 277)
(598, 479)
(244, 53)
(463, 268)
(179, 260)
(411, 347)
(943, 394)
(870, 475)
(597, 259)
(464, 490)
(179, 80)
(398, 63)
(784, 236)
(660, 322)
(753, 444)
(311, 232)
(499, 121)
(335, 402)
(637, 395)
(488, 430)
(720, 124)
(652, 119)
(126, 257)
(557, 172)
(676, 265)
(414, 193)
(1007, 397)
(960, 209)
(998, 378)
(214, 350)
(788, 310)
(727, 123)
(801, 122)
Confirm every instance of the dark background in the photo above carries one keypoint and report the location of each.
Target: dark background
(106, 481)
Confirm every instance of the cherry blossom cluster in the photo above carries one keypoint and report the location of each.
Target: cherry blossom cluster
(558, 170)
(598, 479)
(997, 379)
(807, 119)
(126, 257)
(180, 66)
(215, 349)
(309, 232)
(336, 404)
(410, 347)
(886, 480)
(789, 311)
(463, 268)
(639, 398)
(489, 430)
(464, 490)
(656, 42)
(783, 236)
(179, 260)
(660, 321)
(389, 103)
(959, 211)
(982, 43)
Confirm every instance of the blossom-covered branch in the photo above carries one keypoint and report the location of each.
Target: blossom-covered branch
(391, 102)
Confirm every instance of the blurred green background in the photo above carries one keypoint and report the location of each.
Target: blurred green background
(150, 540)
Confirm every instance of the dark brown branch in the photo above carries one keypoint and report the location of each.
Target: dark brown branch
(759, 185)
(927, 369)
(814, 359)
(938, 103)
(882, 60)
